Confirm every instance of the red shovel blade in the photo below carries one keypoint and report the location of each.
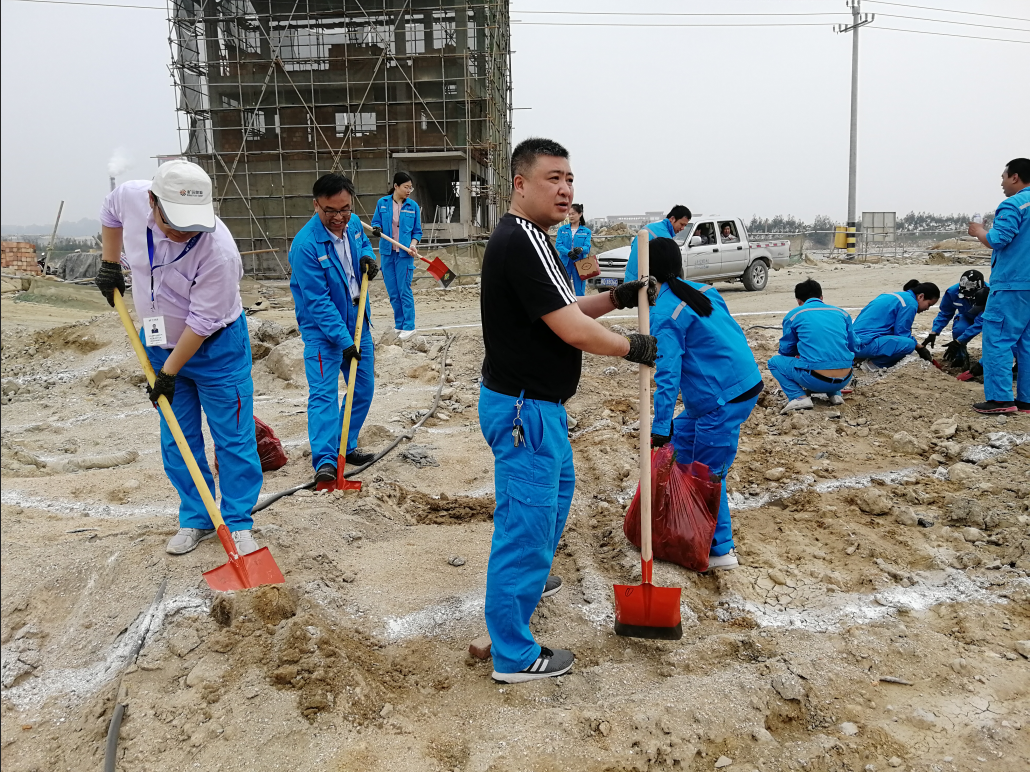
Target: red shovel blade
(341, 483)
(439, 270)
(645, 611)
(243, 571)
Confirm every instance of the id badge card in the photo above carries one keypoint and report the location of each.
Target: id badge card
(154, 331)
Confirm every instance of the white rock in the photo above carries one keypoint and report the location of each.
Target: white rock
(873, 501)
(776, 474)
(963, 473)
(723, 761)
(849, 729)
(1023, 647)
(287, 360)
(944, 428)
(903, 442)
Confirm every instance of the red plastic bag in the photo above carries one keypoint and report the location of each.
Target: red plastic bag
(684, 509)
(270, 450)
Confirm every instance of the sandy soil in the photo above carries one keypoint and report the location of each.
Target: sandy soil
(879, 620)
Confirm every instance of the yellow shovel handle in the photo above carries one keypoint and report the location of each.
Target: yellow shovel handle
(166, 411)
(353, 374)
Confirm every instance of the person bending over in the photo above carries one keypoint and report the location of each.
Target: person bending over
(884, 327)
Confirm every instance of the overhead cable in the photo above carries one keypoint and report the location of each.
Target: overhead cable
(948, 10)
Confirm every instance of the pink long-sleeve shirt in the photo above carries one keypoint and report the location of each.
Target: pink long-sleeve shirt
(200, 290)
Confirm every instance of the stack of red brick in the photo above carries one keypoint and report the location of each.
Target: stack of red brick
(19, 257)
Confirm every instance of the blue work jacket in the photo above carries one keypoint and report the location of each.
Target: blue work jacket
(706, 359)
(891, 313)
(321, 295)
(1009, 237)
(410, 224)
(564, 242)
(820, 335)
(953, 304)
(655, 229)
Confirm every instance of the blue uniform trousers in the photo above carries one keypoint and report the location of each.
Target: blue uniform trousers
(323, 364)
(712, 439)
(962, 324)
(796, 381)
(886, 350)
(397, 273)
(579, 286)
(533, 487)
(1006, 331)
(216, 380)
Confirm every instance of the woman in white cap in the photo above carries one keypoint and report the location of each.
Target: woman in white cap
(186, 273)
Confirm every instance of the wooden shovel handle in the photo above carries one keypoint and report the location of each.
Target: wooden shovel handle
(352, 375)
(397, 244)
(644, 373)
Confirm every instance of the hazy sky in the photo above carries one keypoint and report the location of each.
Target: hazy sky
(741, 120)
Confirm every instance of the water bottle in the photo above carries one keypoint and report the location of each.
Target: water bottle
(978, 218)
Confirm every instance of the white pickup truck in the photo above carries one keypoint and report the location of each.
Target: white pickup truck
(714, 249)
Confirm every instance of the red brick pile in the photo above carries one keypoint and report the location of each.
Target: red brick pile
(20, 257)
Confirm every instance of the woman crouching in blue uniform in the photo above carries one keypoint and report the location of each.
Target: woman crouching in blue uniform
(705, 359)
(573, 243)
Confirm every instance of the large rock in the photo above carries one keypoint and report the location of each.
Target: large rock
(903, 442)
(963, 511)
(964, 474)
(944, 428)
(287, 360)
(873, 501)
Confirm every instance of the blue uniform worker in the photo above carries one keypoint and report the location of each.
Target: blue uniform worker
(883, 328)
(566, 241)
(707, 361)
(325, 282)
(400, 218)
(956, 305)
(662, 228)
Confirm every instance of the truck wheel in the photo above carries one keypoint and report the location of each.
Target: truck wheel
(756, 276)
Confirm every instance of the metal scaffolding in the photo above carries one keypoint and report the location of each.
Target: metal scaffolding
(274, 93)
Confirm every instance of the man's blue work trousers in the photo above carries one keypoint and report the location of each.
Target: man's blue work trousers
(216, 380)
(712, 439)
(1006, 331)
(533, 486)
(797, 382)
(579, 285)
(397, 273)
(886, 350)
(960, 326)
(323, 364)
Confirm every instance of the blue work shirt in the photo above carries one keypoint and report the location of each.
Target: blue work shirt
(891, 313)
(819, 334)
(1009, 237)
(706, 359)
(321, 293)
(565, 242)
(952, 304)
(655, 229)
(410, 224)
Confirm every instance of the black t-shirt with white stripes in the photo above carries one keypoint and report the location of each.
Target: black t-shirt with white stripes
(523, 280)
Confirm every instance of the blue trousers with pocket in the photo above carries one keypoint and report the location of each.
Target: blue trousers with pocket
(579, 286)
(712, 439)
(216, 382)
(533, 487)
(796, 381)
(323, 364)
(1006, 337)
(886, 350)
(397, 274)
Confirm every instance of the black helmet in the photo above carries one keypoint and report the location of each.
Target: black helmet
(970, 283)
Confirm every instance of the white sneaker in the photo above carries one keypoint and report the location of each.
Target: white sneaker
(405, 334)
(727, 561)
(803, 403)
(245, 542)
(869, 367)
(836, 399)
(550, 664)
(821, 396)
(187, 539)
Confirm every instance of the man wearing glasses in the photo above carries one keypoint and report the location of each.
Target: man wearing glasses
(328, 257)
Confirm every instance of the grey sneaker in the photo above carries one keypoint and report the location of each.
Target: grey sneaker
(836, 399)
(550, 664)
(727, 561)
(803, 403)
(187, 539)
(869, 367)
(245, 542)
(552, 586)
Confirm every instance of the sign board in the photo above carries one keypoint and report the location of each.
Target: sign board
(879, 226)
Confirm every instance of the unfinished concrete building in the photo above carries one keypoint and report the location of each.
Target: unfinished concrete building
(274, 93)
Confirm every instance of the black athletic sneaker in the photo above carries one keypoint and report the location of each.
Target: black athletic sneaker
(552, 587)
(1022, 407)
(550, 664)
(992, 406)
(325, 473)
(359, 457)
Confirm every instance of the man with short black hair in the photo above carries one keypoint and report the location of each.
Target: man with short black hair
(535, 330)
(816, 350)
(676, 220)
(328, 258)
(883, 328)
(1006, 320)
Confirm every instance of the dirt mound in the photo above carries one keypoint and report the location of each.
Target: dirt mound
(447, 510)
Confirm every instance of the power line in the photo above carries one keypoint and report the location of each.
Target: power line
(948, 10)
(946, 21)
(675, 13)
(951, 35)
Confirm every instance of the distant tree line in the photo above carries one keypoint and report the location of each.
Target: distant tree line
(821, 228)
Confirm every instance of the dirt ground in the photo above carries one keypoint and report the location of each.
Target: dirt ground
(879, 621)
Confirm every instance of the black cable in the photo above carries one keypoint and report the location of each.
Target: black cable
(947, 10)
(948, 35)
(960, 23)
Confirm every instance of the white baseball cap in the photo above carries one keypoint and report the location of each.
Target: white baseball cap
(183, 191)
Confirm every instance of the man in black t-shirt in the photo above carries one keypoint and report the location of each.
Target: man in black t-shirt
(535, 330)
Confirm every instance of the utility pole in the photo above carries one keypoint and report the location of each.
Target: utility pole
(857, 20)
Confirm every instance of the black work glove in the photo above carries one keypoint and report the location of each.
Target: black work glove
(956, 353)
(351, 353)
(658, 440)
(369, 266)
(643, 349)
(576, 253)
(110, 278)
(377, 231)
(626, 294)
(976, 369)
(930, 340)
(163, 384)
(924, 354)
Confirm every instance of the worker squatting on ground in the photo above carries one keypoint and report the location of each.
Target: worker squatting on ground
(676, 220)
(399, 217)
(705, 358)
(573, 243)
(883, 328)
(959, 302)
(817, 350)
(187, 273)
(328, 258)
(534, 332)
(1006, 320)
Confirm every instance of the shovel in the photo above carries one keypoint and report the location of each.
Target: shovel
(341, 483)
(242, 571)
(644, 610)
(436, 265)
